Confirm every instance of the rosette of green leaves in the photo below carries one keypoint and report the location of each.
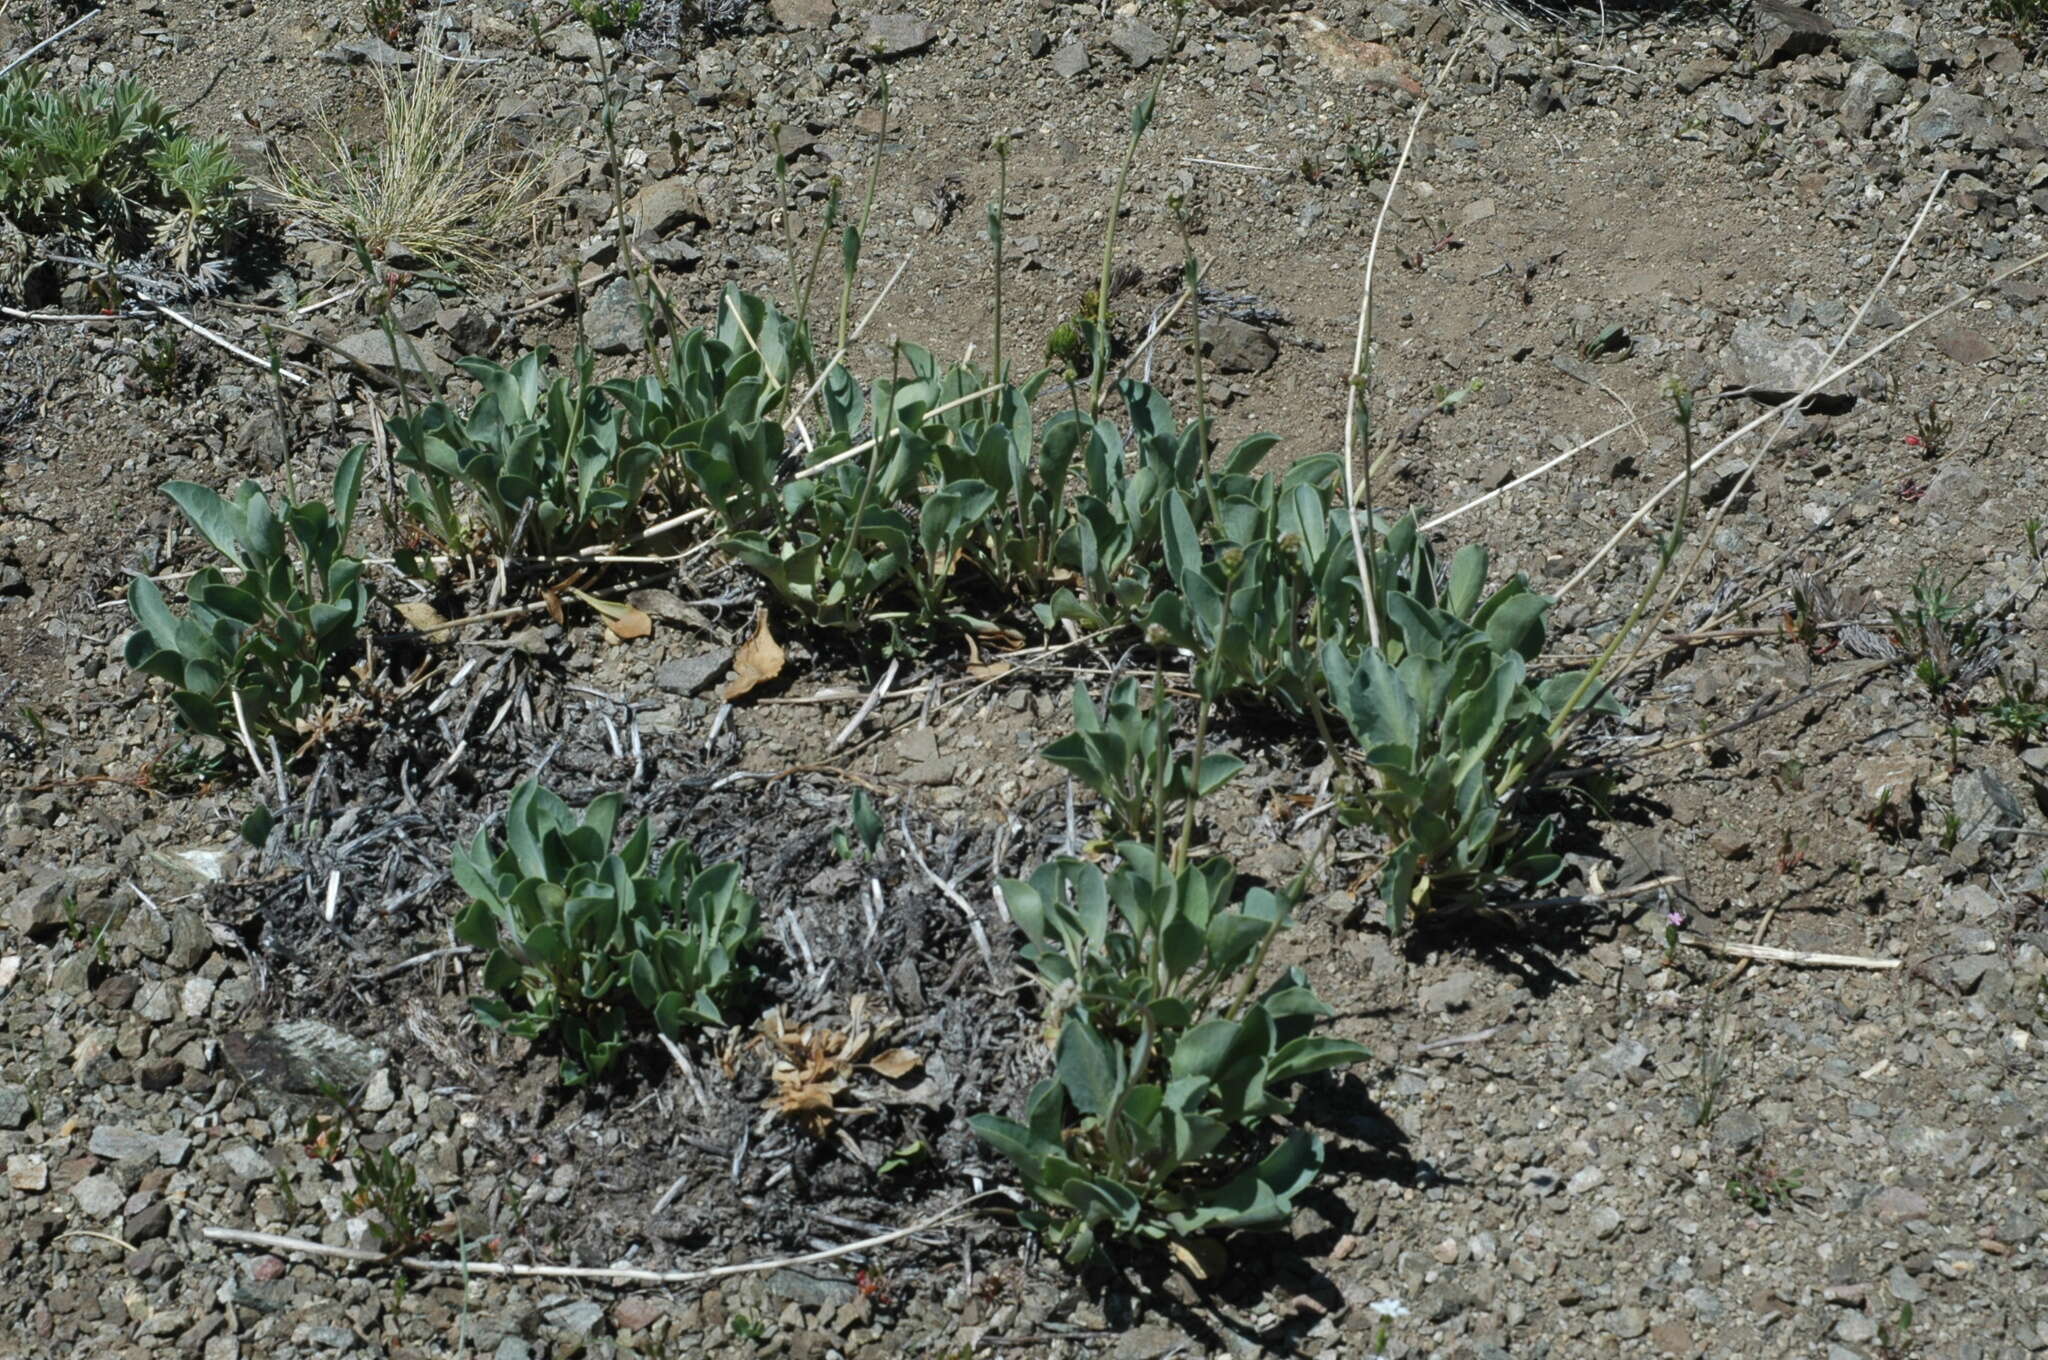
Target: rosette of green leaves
(1160, 1120)
(273, 631)
(711, 413)
(1120, 752)
(873, 539)
(1452, 724)
(105, 160)
(587, 944)
(548, 453)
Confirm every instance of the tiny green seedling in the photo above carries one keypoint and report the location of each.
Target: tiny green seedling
(867, 828)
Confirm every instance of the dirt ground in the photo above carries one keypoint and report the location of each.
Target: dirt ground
(1573, 1139)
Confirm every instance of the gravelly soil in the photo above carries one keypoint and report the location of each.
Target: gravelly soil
(1571, 1141)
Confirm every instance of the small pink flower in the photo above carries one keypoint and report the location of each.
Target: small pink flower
(1912, 441)
(1676, 918)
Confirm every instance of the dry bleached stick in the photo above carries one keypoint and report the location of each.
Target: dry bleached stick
(952, 895)
(79, 22)
(1736, 949)
(598, 1274)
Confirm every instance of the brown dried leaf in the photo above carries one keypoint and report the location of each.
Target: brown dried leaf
(895, 1063)
(423, 616)
(758, 660)
(625, 621)
(629, 623)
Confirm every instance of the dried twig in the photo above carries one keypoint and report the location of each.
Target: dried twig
(58, 36)
(596, 1274)
(1736, 949)
(952, 894)
(861, 714)
(230, 346)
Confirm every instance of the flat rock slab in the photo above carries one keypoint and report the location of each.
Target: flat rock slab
(803, 13)
(372, 349)
(899, 35)
(303, 1058)
(1775, 370)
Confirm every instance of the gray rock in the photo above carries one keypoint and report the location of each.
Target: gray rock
(1869, 88)
(1901, 1285)
(37, 912)
(99, 1196)
(1703, 71)
(14, 1107)
(377, 1093)
(1737, 1132)
(611, 321)
(1239, 57)
(513, 1348)
(694, 674)
(243, 1162)
(665, 205)
(1628, 1323)
(1785, 31)
(133, 1145)
(1949, 115)
(1541, 1181)
(898, 35)
(804, 13)
(373, 350)
(1138, 43)
(1774, 370)
(573, 42)
(1238, 347)
(1605, 1221)
(581, 1318)
(303, 1057)
(1893, 51)
(1896, 1204)
(1454, 993)
(1070, 61)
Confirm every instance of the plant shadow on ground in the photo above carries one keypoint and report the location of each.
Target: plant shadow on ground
(1530, 939)
(1364, 1146)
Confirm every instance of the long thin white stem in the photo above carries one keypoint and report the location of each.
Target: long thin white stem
(1833, 375)
(54, 37)
(1447, 516)
(1358, 384)
(597, 1274)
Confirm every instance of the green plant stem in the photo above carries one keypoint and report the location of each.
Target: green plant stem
(1162, 710)
(867, 211)
(877, 459)
(995, 231)
(1141, 119)
(1208, 680)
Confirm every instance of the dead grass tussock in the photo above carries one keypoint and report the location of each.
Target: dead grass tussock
(434, 185)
